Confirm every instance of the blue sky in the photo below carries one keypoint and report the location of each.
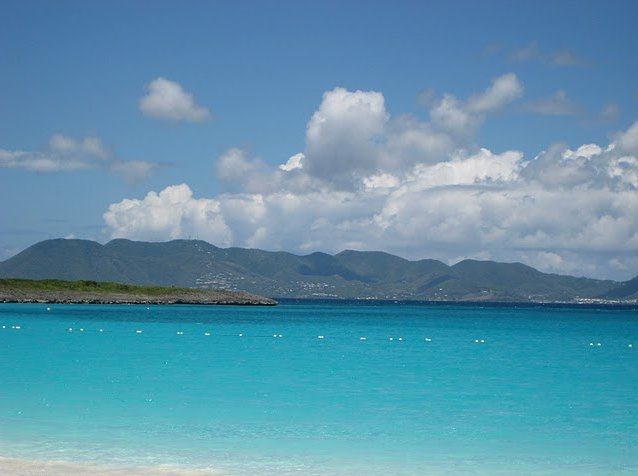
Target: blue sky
(427, 129)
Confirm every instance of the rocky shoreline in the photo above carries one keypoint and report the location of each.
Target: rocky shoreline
(79, 297)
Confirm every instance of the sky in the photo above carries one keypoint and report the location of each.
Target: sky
(501, 130)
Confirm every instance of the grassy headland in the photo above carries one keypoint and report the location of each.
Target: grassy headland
(94, 292)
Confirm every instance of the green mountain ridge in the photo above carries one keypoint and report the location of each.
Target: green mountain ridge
(347, 275)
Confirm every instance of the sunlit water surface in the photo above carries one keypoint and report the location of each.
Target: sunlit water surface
(323, 389)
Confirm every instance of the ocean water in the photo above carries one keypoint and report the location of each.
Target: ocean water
(322, 389)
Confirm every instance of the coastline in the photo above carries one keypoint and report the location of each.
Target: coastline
(18, 291)
(237, 299)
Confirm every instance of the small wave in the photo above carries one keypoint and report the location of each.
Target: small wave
(23, 467)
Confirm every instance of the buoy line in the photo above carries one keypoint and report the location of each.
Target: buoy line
(277, 335)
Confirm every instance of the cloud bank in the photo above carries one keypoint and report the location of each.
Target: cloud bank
(367, 180)
(167, 100)
(66, 153)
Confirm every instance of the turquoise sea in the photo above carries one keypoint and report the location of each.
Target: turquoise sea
(323, 389)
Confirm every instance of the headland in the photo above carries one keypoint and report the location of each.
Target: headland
(92, 292)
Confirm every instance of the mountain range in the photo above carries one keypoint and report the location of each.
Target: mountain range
(346, 275)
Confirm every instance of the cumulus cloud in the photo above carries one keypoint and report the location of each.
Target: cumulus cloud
(342, 134)
(352, 137)
(66, 153)
(169, 101)
(556, 105)
(172, 213)
(368, 180)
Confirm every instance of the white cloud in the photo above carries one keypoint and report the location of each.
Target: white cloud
(235, 164)
(342, 135)
(381, 180)
(462, 119)
(503, 91)
(586, 150)
(367, 180)
(482, 167)
(352, 137)
(294, 162)
(627, 141)
(557, 105)
(64, 153)
(172, 213)
(451, 115)
(167, 100)
(410, 141)
(67, 154)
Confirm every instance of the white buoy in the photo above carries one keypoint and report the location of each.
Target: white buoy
(319, 337)
(427, 339)
(206, 333)
(179, 333)
(630, 345)
(280, 335)
(363, 338)
(391, 338)
(138, 331)
(598, 345)
(18, 327)
(591, 344)
(476, 341)
(482, 341)
(70, 329)
(48, 308)
(101, 330)
(241, 335)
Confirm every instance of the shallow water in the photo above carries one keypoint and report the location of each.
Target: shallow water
(389, 389)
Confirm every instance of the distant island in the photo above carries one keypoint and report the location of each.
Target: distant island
(350, 274)
(93, 292)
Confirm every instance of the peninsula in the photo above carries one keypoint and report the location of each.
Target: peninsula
(92, 292)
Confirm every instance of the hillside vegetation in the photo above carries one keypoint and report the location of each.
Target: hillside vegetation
(346, 275)
(86, 291)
